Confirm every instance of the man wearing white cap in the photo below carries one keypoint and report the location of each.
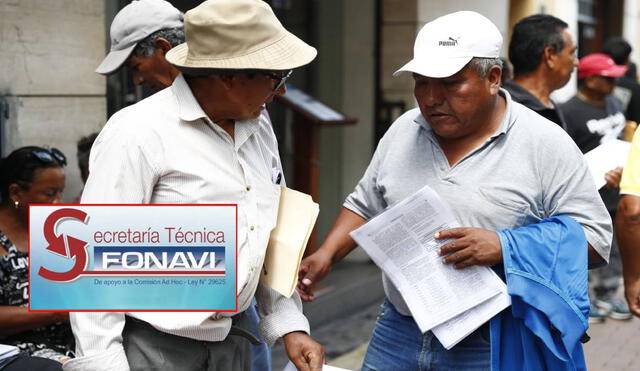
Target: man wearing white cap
(492, 160)
(203, 140)
(141, 35)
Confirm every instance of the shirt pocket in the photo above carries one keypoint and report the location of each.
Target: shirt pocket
(507, 210)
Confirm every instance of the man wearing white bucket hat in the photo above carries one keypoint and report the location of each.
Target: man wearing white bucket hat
(492, 160)
(203, 140)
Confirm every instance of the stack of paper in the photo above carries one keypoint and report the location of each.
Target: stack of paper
(297, 215)
(452, 303)
(7, 351)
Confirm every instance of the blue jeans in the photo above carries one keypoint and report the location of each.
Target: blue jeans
(260, 354)
(398, 345)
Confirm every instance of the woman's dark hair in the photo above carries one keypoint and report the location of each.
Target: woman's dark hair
(20, 166)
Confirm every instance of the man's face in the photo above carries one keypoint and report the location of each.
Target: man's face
(458, 105)
(566, 60)
(252, 92)
(601, 85)
(153, 72)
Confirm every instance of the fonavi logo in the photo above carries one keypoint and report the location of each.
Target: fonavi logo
(125, 260)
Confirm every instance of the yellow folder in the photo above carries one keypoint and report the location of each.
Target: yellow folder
(297, 215)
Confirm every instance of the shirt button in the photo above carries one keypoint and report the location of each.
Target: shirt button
(248, 188)
(252, 228)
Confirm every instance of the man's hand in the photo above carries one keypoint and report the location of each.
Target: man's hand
(313, 269)
(305, 353)
(471, 246)
(613, 177)
(632, 294)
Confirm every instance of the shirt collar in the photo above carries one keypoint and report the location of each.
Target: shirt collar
(189, 110)
(188, 107)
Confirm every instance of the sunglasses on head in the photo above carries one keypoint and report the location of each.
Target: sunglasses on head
(48, 156)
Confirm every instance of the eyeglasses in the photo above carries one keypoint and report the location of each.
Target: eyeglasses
(48, 156)
(280, 79)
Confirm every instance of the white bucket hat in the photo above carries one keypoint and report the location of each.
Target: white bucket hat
(238, 34)
(445, 45)
(132, 24)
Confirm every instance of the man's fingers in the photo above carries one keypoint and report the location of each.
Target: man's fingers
(465, 263)
(633, 300)
(451, 233)
(301, 364)
(457, 257)
(453, 246)
(315, 359)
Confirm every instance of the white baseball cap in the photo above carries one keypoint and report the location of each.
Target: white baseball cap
(445, 45)
(132, 24)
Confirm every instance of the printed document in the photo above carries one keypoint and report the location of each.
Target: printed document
(297, 214)
(607, 156)
(401, 242)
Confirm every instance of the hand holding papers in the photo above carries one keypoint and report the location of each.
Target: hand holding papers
(605, 157)
(448, 301)
(297, 215)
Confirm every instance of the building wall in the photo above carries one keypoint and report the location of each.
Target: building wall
(49, 52)
(631, 27)
(345, 81)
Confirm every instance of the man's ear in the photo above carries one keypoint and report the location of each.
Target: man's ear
(163, 45)
(549, 57)
(494, 77)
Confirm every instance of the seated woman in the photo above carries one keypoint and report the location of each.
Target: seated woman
(29, 175)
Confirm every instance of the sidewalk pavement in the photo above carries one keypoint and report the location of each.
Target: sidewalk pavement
(613, 346)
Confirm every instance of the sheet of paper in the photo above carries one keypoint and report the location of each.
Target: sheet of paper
(401, 242)
(291, 367)
(297, 214)
(454, 330)
(7, 351)
(607, 156)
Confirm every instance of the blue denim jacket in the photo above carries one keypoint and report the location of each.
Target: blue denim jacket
(545, 266)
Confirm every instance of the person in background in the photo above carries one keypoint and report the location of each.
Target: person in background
(84, 149)
(594, 116)
(627, 89)
(507, 71)
(628, 226)
(141, 35)
(29, 175)
(543, 56)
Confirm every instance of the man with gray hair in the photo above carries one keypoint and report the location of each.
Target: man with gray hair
(141, 35)
(203, 140)
(492, 160)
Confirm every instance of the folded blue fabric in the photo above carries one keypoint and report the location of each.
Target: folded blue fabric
(545, 267)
